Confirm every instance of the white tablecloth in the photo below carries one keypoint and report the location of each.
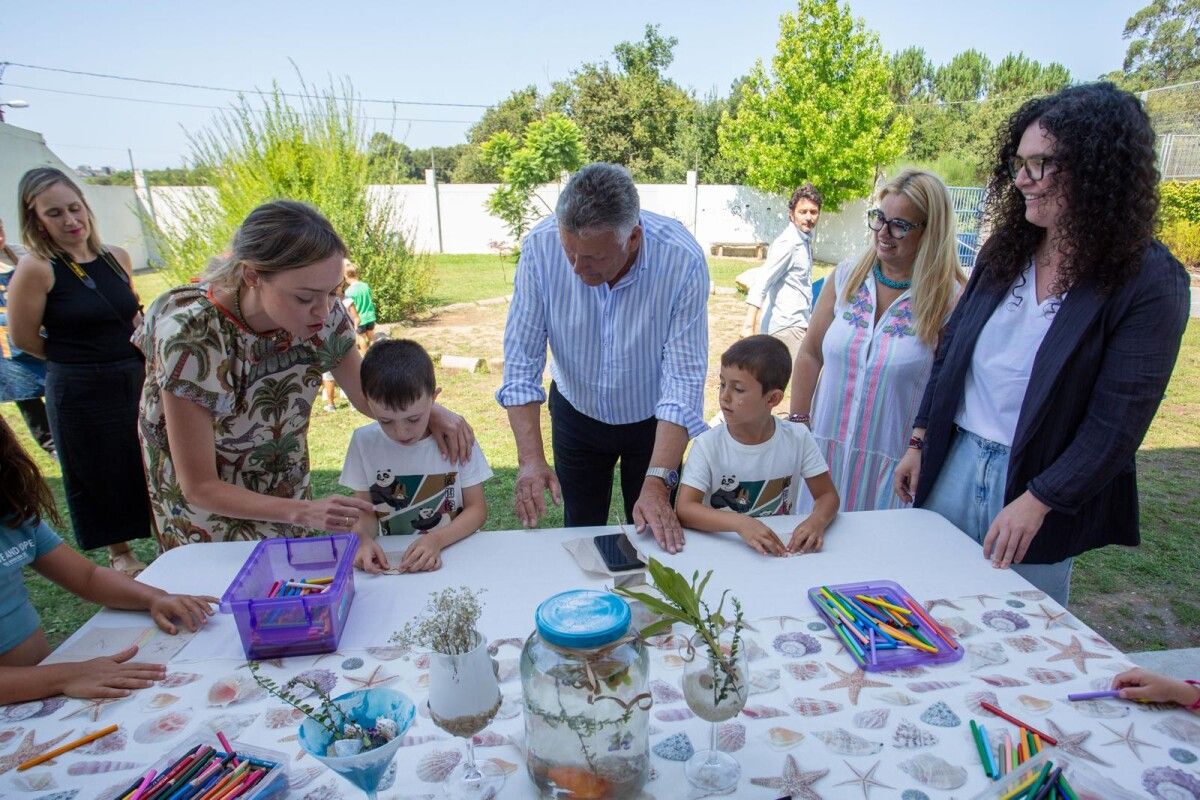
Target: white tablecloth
(812, 713)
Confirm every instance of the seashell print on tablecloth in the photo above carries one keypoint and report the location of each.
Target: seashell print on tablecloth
(35, 782)
(934, 772)
(899, 699)
(795, 644)
(904, 672)
(676, 747)
(113, 743)
(872, 718)
(1002, 681)
(731, 737)
(673, 714)
(673, 661)
(352, 663)
(764, 712)
(67, 795)
(754, 651)
(1024, 643)
(300, 778)
(986, 654)
(233, 689)
(160, 700)
(303, 683)
(1005, 621)
(229, 723)
(973, 699)
(1100, 709)
(933, 686)
(389, 653)
(843, 742)
(1183, 730)
(784, 738)
(1035, 704)
(664, 693)
(1168, 783)
(1049, 677)
(437, 764)
(668, 641)
(1030, 594)
(503, 767)
(420, 681)
(163, 727)
(908, 735)
(806, 670)
(9, 734)
(763, 681)
(489, 738)
(278, 718)
(422, 661)
(411, 740)
(1182, 756)
(958, 627)
(176, 679)
(941, 715)
(510, 706)
(99, 767)
(814, 706)
(31, 710)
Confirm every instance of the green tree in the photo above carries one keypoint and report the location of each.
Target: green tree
(1164, 46)
(549, 147)
(512, 115)
(964, 79)
(822, 112)
(910, 76)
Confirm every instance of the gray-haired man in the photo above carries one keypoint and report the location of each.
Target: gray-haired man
(620, 295)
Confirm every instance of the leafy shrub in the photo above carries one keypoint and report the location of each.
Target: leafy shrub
(315, 153)
(1182, 238)
(1178, 201)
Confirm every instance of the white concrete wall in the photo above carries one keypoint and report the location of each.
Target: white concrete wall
(716, 213)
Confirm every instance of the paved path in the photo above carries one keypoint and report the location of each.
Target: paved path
(1183, 663)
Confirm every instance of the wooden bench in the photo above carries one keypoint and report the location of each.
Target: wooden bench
(739, 249)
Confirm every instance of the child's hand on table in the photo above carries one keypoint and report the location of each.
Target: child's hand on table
(370, 556)
(190, 609)
(760, 537)
(807, 537)
(111, 676)
(423, 555)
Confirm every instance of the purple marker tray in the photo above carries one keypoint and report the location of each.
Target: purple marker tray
(300, 624)
(948, 651)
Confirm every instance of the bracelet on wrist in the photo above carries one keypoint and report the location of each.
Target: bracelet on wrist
(1196, 705)
(803, 419)
(916, 443)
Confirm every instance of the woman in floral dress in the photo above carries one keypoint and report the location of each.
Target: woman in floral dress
(233, 366)
(871, 341)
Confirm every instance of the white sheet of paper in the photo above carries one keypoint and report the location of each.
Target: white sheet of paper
(154, 646)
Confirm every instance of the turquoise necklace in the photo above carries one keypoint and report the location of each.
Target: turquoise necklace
(888, 282)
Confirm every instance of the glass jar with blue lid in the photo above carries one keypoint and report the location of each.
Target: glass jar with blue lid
(584, 677)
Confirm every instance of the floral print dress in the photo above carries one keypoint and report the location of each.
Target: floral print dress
(871, 383)
(260, 392)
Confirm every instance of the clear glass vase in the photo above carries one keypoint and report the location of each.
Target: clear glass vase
(716, 687)
(464, 697)
(364, 769)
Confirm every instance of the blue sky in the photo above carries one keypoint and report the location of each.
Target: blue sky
(457, 52)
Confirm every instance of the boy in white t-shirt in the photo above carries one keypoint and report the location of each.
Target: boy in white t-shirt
(752, 464)
(395, 464)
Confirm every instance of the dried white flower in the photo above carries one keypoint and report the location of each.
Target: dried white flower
(446, 624)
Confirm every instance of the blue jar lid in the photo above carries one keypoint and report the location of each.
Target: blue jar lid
(582, 619)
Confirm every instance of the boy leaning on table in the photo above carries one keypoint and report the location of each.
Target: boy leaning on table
(752, 463)
(395, 464)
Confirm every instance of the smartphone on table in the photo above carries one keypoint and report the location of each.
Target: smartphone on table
(618, 552)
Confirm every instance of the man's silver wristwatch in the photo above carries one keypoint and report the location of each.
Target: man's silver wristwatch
(668, 476)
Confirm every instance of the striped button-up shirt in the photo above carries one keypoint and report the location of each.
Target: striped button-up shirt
(622, 354)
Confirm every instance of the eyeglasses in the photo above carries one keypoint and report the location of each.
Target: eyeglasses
(898, 228)
(1035, 167)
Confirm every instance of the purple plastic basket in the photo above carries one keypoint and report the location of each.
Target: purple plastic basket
(900, 657)
(301, 624)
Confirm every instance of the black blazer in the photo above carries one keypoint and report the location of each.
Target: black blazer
(1097, 381)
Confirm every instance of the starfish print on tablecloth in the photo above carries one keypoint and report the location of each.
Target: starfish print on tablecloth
(836, 641)
(1072, 744)
(372, 680)
(28, 749)
(854, 682)
(277, 663)
(1129, 738)
(865, 780)
(794, 782)
(1052, 618)
(94, 707)
(782, 619)
(930, 605)
(1073, 652)
(980, 598)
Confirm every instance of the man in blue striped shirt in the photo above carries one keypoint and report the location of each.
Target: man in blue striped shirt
(621, 297)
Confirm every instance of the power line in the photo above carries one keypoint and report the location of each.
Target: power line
(237, 91)
(201, 105)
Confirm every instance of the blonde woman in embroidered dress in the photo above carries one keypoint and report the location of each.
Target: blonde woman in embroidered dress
(233, 368)
(861, 370)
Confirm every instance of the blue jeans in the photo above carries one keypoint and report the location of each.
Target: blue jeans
(969, 492)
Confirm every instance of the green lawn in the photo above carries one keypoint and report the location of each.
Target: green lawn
(1139, 598)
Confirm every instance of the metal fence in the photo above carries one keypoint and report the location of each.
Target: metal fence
(1175, 113)
(968, 214)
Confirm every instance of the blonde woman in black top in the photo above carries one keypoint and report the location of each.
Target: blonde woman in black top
(80, 291)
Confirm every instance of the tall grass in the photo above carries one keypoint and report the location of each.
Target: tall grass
(314, 151)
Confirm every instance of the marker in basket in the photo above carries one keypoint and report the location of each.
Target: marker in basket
(1006, 716)
(69, 746)
(928, 620)
(141, 789)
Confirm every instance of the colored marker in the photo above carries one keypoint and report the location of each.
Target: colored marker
(987, 770)
(66, 748)
(1094, 695)
(1006, 716)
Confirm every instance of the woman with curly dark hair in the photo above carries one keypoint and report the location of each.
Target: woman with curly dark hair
(1057, 356)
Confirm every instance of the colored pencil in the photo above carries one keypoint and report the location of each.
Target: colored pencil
(904, 637)
(1037, 740)
(1041, 778)
(327, 579)
(1049, 784)
(66, 748)
(1020, 789)
(141, 790)
(1006, 716)
(1066, 789)
(1094, 695)
(928, 620)
(873, 647)
(993, 772)
(882, 604)
(851, 646)
(1009, 765)
(987, 770)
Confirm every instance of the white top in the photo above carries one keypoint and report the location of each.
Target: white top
(1003, 360)
(754, 479)
(414, 486)
(783, 285)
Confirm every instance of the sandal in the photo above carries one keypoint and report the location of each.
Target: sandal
(126, 563)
